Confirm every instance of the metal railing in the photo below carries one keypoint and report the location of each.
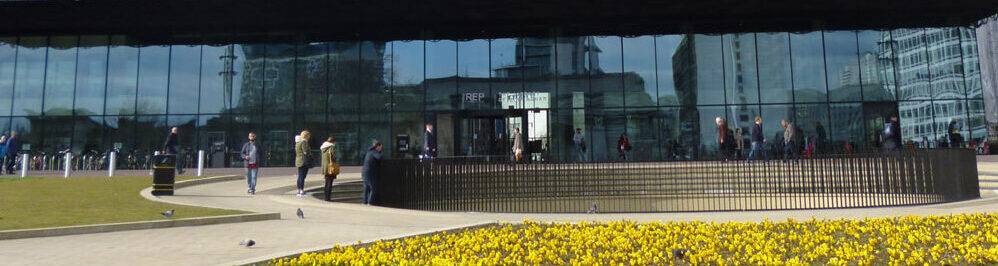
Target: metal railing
(908, 177)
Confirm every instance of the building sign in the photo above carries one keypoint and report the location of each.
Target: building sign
(528, 100)
(474, 97)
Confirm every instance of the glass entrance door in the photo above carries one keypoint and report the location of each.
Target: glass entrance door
(482, 136)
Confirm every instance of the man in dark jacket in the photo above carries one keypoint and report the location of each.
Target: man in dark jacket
(369, 173)
(892, 135)
(758, 141)
(955, 139)
(172, 146)
(13, 148)
(430, 142)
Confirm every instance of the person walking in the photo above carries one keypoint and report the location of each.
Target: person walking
(580, 145)
(172, 146)
(303, 159)
(892, 135)
(820, 137)
(758, 140)
(789, 147)
(739, 143)
(430, 143)
(624, 147)
(13, 148)
(369, 172)
(3, 151)
(517, 151)
(955, 139)
(724, 138)
(251, 154)
(330, 165)
(251, 157)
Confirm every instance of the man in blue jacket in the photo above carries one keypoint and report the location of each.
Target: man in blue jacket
(430, 143)
(13, 148)
(369, 173)
(758, 141)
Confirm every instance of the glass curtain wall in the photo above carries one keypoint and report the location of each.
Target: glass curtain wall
(92, 93)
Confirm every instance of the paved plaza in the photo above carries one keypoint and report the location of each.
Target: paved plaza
(326, 224)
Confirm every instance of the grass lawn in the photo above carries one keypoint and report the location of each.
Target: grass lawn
(47, 202)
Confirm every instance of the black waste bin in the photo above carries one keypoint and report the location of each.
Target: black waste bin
(163, 174)
(217, 158)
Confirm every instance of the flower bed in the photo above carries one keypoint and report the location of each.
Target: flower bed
(956, 239)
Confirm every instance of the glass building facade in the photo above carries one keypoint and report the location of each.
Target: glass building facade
(98, 92)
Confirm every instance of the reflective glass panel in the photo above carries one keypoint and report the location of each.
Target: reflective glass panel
(185, 71)
(740, 75)
(91, 76)
(60, 76)
(773, 53)
(808, 60)
(30, 76)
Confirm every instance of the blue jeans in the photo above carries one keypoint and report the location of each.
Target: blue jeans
(789, 150)
(580, 156)
(368, 191)
(302, 172)
(251, 175)
(758, 146)
(180, 163)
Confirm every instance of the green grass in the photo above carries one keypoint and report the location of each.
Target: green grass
(35, 202)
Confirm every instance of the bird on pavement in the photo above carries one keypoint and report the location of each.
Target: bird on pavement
(301, 215)
(167, 214)
(248, 242)
(592, 209)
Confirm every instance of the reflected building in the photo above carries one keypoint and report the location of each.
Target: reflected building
(936, 69)
(987, 40)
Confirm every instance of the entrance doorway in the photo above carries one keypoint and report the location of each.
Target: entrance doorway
(488, 133)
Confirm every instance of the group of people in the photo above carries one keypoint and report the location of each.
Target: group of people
(731, 142)
(304, 161)
(517, 150)
(9, 149)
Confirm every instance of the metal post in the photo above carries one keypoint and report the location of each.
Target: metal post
(69, 157)
(200, 162)
(24, 165)
(112, 164)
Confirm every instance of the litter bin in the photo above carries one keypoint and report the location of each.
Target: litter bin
(163, 174)
(217, 158)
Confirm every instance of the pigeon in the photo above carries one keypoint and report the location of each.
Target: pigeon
(592, 209)
(167, 214)
(679, 253)
(248, 242)
(301, 215)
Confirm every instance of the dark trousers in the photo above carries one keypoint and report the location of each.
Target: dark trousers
(368, 191)
(9, 167)
(789, 150)
(302, 172)
(725, 149)
(328, 188)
